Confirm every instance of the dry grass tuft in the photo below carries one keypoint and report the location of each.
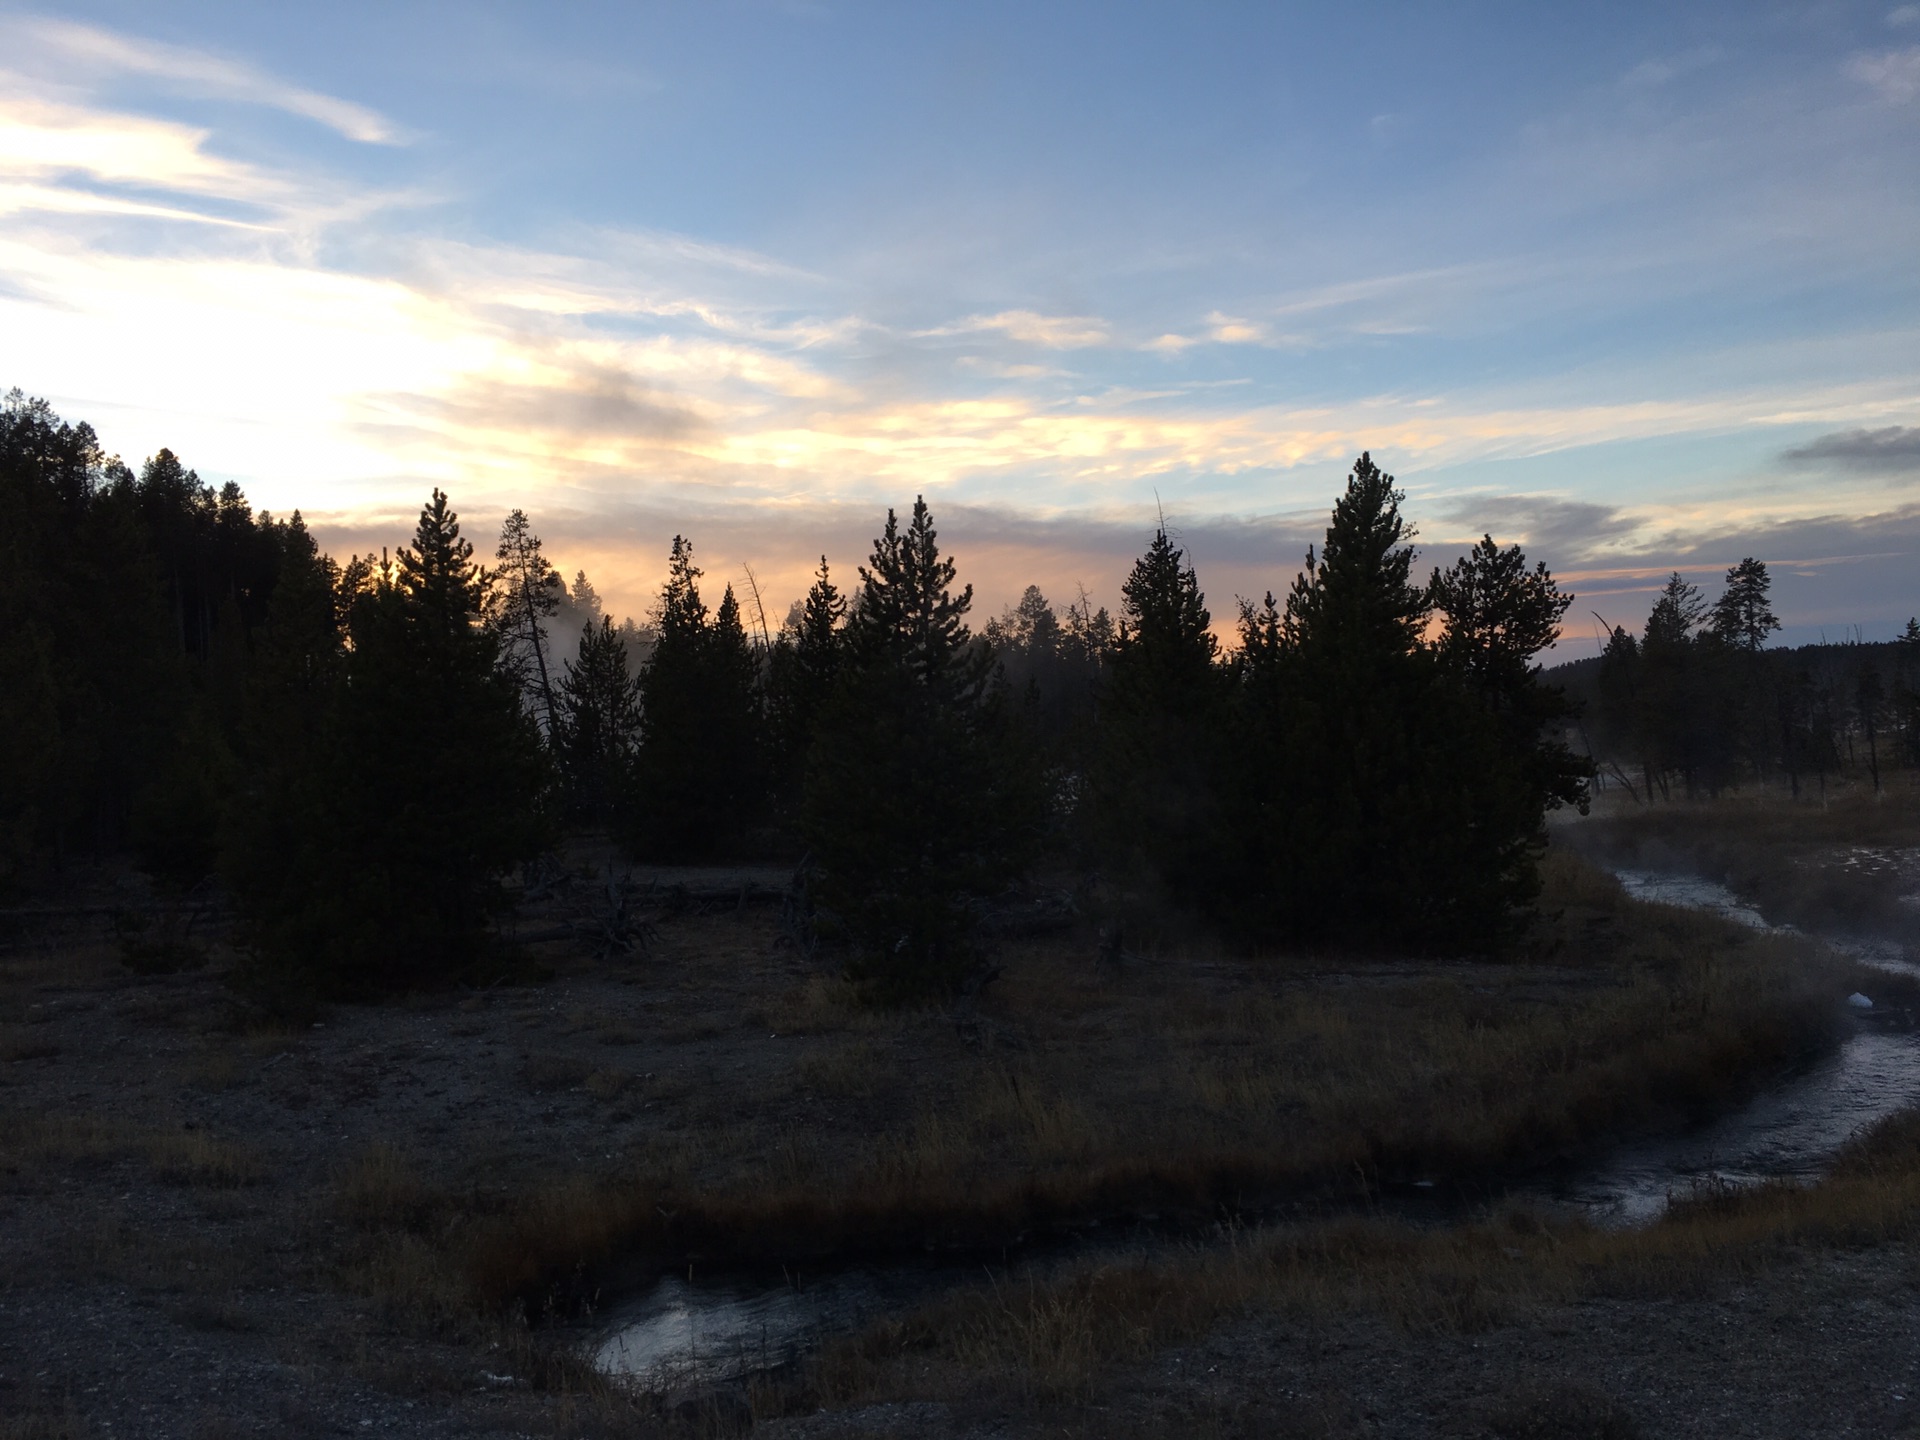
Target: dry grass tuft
(851, 1069)
(55, 1422)
(823, 1003)
(193, 1157)
(19, 1042)
(211, 1070)
(608, 1084)
(1562, 1412)
(379, 1189)
(544, 1074)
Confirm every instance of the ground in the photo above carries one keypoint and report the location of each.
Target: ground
(219, 1221)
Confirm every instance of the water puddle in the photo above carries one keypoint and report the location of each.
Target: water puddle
(686, 1332)
(689, 1330)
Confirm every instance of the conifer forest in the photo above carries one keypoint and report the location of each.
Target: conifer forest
(361, 750)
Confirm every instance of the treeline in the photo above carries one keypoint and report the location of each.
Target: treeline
(361, 753)
(1698, 703)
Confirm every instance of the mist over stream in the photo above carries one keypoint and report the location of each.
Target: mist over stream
(693, 1329)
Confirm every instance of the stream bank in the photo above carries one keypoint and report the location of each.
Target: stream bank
(685, 1331)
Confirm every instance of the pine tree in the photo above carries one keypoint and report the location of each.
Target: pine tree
(530, 591)
(1354, 732)
(909, 615)
(802, 673)
(1155, 794)
(1742, 617)
(1676, 724)
(1165, 653)
(917, 800)
(1378, 786)
(1740, 707)
(1499, 617)
(95, 672)
(1676, 614)
(599, 724)
(279, 832)
(700, 782)
(433, 785)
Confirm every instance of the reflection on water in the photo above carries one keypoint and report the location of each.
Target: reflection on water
(1695, 893)
(1788, 1133)
(709, 1329)
(687, 1332)
(1692, 892)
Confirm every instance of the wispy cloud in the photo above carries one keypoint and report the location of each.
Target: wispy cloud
(43, 139)
(199, 72)
(1894, 74)
(1665, 69)
(1029, 327)
(1891, 449)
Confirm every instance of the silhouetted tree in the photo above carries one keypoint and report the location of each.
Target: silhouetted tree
(1367, 743)
(1499, 617)
(1053, 667)
(432, 787)
(918, 800)
(803, 669)
(598, 724)
(530, 591)
(1153, 800)
(1740, 704)
(699, 780)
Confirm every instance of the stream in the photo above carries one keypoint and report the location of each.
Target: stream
(697, 1330)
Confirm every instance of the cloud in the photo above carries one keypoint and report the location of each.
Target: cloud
(1663, 70)
(42, 139)
(17, 199)
(1226, 330)
(1829, 571)
(1894, 74)
(1568, 528)
(1904, 15)
(1052, 332)
(1893, 449)
(580, 412)
(204, 74)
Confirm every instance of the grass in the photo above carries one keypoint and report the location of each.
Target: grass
(1052, 1341)
(19, 1042)
(1185, 1091)
(1832, 864)
(31, 1142)
(61, 1421)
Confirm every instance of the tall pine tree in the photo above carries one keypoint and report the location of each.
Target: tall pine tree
(598, 725)
(1154, 800)
(699, 779)
(430, 787)
(918, 801)
(802, 673)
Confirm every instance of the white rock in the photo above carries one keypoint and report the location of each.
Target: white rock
(1859, 1001)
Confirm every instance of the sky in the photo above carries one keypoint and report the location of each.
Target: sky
(1636, 287)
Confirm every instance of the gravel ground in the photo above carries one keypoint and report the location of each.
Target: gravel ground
(1822, 1344)
(170, 1256)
